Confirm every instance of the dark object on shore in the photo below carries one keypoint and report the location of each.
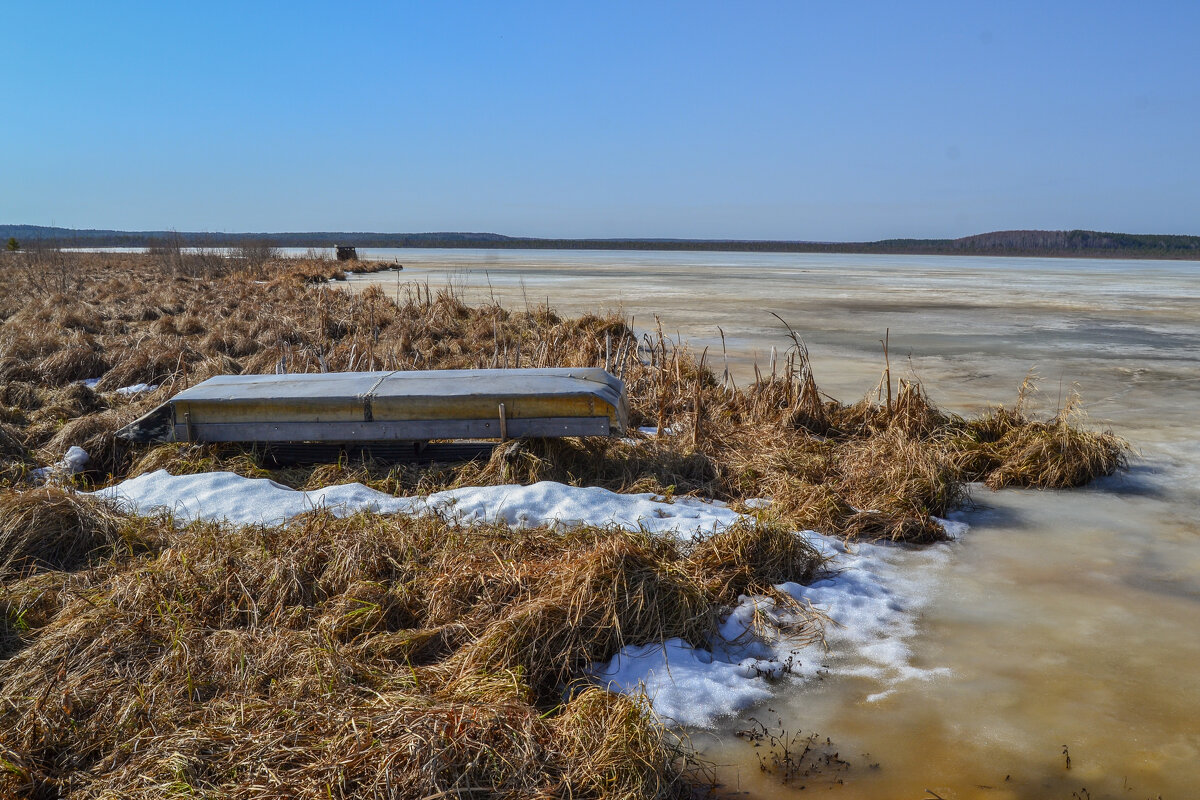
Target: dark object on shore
(346, 253)
(289, 454)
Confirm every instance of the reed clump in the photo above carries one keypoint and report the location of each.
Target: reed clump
(623, 589)
(613, 748)
(1003, 448)
(79, 358)
(96, 434)
(62, 403)
(751, 558)
(12, 445)
(54, 528)
(1055, 456)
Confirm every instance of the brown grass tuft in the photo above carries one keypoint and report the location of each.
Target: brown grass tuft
(1003, 448)
(81, 358)
(626, 589)
(1055, 456)
(614, 748)
(96, 434)
(751, 559)
(20, 395)
(12, 445)
(892, 479)
(152, 361)
(72, 401)
(54, 528)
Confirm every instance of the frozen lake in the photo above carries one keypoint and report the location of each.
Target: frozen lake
(1061, 618)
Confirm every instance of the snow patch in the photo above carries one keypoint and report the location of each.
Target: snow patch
(224, 496)
(954, 528)
(683, 684)
(137, 388)
(73, 462)
(217, 496)
(652, 430)
(549, 503)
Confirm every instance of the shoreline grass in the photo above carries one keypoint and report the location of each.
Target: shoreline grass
(381, 656)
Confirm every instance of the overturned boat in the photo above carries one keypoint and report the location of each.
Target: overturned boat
(389, 414)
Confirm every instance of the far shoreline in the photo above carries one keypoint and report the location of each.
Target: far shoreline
(1098, 256)
(997, 244)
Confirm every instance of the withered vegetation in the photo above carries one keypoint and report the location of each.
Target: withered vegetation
(381, 657)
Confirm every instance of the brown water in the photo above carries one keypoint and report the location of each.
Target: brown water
(1063, 618)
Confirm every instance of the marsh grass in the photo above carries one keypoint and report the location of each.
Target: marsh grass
(12, 444)
(381, 657)
(867, 468)
(52, 528)
(750, 559)
(1003, 447)
(622, 590)
(358, 657)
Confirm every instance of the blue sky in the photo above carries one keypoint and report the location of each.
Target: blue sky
(799, 120)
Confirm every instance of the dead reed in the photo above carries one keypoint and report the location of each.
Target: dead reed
(1003, 447)
(750, 559)
(53, 528)
(624, 589)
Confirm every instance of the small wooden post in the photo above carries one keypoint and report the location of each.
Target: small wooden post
(887, 368)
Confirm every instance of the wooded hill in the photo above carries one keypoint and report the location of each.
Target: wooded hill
(1079, 244)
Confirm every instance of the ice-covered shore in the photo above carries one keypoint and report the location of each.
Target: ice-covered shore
(869, 594)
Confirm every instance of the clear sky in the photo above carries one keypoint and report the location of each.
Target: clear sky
(790, 120)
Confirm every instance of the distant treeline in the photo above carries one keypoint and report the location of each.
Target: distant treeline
(1000, 243)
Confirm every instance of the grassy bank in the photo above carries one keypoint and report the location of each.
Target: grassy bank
(374, 656)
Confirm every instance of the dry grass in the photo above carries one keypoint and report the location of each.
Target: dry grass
(95, 433)
(81, 357)
(56, 529)
(624, 589)
(363, 657)
(375, 657)
(750, 559)
(1005, 448)
(12, 445)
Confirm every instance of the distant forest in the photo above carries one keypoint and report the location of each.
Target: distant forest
(1079, 244)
